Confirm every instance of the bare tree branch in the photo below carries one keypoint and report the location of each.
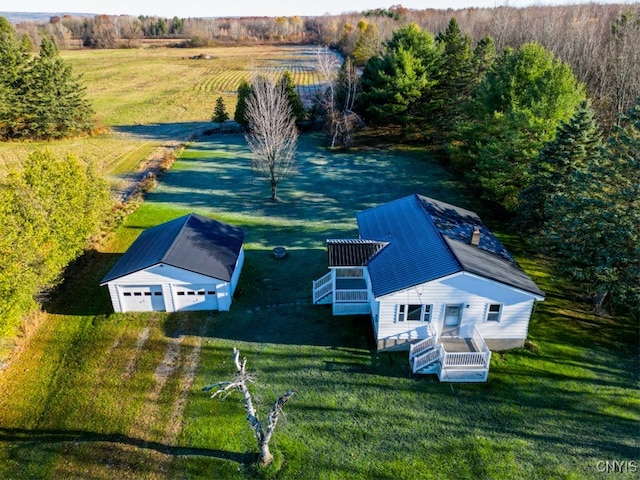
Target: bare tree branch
(272, 135)
(263, 436)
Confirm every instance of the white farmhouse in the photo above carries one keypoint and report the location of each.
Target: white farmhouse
(190, 263)
(435, 281)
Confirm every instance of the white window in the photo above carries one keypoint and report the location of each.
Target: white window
(414, 313)
(493, 312)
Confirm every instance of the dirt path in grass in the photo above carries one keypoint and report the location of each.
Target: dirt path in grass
(152, 167)
(181, 360)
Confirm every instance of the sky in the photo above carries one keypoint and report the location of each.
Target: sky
(235, 8)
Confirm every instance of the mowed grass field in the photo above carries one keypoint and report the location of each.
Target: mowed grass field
(146, 97)
(101, 395)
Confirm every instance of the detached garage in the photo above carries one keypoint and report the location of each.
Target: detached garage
(190, 263)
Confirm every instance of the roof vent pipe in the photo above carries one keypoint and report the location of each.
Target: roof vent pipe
(475, 237)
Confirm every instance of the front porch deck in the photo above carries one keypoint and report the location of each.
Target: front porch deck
(459, 345)
(453, 359)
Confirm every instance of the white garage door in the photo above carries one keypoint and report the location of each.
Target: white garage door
(142, 299)
(195, 297)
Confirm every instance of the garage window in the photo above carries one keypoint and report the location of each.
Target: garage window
(157, 294)
(211, 293)
(191, 293)
(180, 293)
(127, 294)
(201, 292)
(147, 294)
(137, 294)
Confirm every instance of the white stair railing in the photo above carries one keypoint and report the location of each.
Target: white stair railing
(426, 359)
(322, 287)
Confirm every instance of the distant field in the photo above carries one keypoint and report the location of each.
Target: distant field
(165, 88)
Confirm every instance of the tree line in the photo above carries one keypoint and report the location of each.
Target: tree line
(49, 209)
(40, 97)
(599, 42)
(519, 128)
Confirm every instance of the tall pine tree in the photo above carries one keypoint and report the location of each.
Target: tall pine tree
(395, 83)
(41, 97)
(594, 219)
(577, 142)
(512, 114)
(295, 102)
(244, 90)
(454, 80)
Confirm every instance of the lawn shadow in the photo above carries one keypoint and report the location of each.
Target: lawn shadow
(27, 439)
(165, 131)
(80, 292)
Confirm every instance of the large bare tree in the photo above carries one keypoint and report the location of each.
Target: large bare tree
(263, 435)
(338, 99)
(272, 134)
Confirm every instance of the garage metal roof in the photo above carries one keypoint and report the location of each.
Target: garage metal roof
(428, 239)
(193, 242)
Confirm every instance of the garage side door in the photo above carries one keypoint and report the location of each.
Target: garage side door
(142, 299)
(195, 297)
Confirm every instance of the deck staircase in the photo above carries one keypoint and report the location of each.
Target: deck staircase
(323, 290)
(424, 356)
(445, 358)
(345, 289)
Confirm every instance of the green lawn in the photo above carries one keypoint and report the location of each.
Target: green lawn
(100, 395)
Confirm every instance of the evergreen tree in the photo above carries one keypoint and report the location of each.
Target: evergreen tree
(220, 114)
(13, 59)
(576, 143)
(244, 90)
(594, 219)
(484, 55)
(395, 83)
(56, 101)
(41, 97)
(295, 102)
(512, 113)
(454, 79)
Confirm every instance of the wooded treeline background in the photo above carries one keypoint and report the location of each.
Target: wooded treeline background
(599, 42)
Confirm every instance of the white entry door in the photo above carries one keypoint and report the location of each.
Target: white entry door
(451, 322)
(142, 298)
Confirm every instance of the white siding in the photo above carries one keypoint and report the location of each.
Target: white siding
(115, 298)
(170, 278)
(473, 293)
(236, 271)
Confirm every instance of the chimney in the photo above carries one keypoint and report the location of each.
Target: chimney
(475, 237)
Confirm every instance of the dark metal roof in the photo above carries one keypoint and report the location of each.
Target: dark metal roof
(428, 239)
(192, 242)
(458, 224)
(416, 252)
(483, 263)
(353, 252)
